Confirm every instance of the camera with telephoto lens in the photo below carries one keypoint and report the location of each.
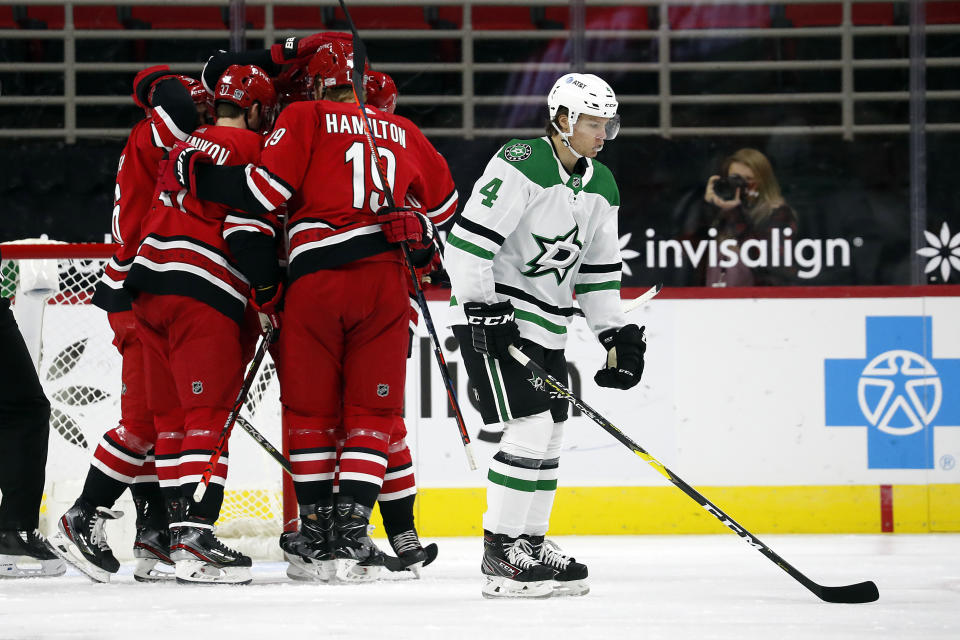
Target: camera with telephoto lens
(726, 188)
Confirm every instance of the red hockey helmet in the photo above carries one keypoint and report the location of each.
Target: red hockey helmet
(333, 63)
(198, 94)
(246, 84)
(381, 91)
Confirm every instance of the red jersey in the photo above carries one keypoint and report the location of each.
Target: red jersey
(318, 152)
(133, 198)
(184, 249)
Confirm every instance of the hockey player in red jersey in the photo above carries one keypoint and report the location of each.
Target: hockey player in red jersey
(346, 306)
(196, 267)
(174, 106)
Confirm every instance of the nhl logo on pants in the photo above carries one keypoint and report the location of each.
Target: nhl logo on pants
(383, 390)
(197, 387)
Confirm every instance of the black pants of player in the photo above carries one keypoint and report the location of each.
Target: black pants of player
(24, 429)
(505, 388)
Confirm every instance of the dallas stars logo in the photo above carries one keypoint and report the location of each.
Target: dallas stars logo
(557, 255)
(517, 152)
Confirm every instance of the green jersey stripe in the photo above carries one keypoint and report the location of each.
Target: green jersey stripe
(512, 483)
(553, 327)
(492, 367)
(469, 247)
(597, 286)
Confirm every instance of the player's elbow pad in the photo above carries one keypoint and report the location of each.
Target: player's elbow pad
(226, 185)
(256, 256)
(170, 96)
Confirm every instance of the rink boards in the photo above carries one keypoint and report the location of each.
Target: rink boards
(818, 412)
(832, 410)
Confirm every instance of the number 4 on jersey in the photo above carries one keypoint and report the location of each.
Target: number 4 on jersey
(489, 191)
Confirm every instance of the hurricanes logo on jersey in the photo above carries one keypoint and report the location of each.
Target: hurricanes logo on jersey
(517, 152)
(557, 255)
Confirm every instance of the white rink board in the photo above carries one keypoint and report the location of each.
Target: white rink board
(732, 394)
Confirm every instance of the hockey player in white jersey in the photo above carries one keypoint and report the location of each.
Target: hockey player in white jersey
(539, 227)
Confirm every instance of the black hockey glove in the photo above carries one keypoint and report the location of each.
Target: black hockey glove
(493, 327)
(178, 169)
(625, 348)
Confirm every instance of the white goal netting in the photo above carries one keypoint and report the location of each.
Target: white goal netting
(71, 343)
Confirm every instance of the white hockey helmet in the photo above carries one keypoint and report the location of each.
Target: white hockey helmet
(583, 94)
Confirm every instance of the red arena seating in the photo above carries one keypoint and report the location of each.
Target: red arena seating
(828, 15)
(300, 17)
(943, 12)
(166, 17)
(494, 18)
(403, 17)
(729, 16)
(6, 17)
(50, 15)
(96, 17)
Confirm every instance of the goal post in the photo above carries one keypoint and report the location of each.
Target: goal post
(51, 284)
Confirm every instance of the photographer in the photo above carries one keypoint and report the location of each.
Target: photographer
(745, 203)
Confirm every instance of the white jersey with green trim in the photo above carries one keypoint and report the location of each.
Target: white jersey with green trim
(535, 234)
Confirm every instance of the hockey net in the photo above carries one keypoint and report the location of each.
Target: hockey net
(51, 285)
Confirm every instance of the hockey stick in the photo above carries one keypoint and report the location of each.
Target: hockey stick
(359, 63)
(636, 303)
(261, 440)
(852, 593)
(232, 416)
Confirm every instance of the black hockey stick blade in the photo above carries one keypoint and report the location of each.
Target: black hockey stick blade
(393, 563)
(849, 594)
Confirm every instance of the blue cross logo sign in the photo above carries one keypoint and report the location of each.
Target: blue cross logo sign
(899, 392)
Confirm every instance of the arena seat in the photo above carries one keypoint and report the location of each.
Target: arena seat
(943, 12)
(297, 17)
(50, 16)
(7, 21)
(829, 15)
(506, 18)
(402, 17)
(166, 17)
(96, 17)
(720, 16)
(631, 18)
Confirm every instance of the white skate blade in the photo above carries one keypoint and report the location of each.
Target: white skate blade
(349, 571)
(563, 588)
(27, 567)
(147, 570)
(308, 570)
(499, 587)
(69, 552)
(200, 572)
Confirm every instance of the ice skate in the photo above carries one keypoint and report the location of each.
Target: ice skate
(83, 543)
(151, 548)
(511, 571)
(411, 554)
(307, 551)
(27, 554)
(358, 558)
(202, 559)
(571, 577)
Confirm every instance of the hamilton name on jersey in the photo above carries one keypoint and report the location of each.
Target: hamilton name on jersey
(343, 123)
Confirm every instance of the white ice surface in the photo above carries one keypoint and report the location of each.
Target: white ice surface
(672, 587)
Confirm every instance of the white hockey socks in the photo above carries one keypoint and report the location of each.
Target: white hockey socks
(514, 473)
(538, 518)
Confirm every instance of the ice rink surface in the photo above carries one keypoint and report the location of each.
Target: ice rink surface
(671, 587)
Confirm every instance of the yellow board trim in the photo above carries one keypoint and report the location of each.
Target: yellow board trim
(667, 510)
